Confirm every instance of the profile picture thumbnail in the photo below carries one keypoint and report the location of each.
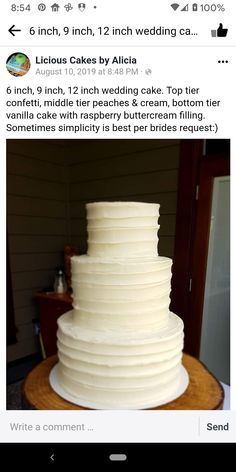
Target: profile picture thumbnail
(18, 64)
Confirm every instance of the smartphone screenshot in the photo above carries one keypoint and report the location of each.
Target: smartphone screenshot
(117, 148)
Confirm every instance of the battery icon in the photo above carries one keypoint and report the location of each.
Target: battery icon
(194, 7)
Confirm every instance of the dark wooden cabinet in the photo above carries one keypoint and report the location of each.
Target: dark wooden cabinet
(51, 307)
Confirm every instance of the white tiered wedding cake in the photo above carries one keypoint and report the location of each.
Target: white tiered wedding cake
(120, 347)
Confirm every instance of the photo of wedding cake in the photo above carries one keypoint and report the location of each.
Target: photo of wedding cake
(120, 347)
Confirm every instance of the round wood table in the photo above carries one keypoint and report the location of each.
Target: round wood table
(204, 392)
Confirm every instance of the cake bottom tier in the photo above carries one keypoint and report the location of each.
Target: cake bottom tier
(105, 370)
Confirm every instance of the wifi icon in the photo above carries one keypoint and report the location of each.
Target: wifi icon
(175, 6)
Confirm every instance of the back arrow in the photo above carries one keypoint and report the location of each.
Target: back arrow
(52, 457)
(12, 30)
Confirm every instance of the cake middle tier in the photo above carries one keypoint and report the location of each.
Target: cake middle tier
(121, 295)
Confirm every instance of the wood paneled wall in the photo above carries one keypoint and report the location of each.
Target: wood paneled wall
(49, 183)
(37, 221)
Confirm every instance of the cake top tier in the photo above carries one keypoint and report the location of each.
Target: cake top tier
(122, 209)
(122, 229)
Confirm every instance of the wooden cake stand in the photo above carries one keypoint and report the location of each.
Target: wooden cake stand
(204, 392)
